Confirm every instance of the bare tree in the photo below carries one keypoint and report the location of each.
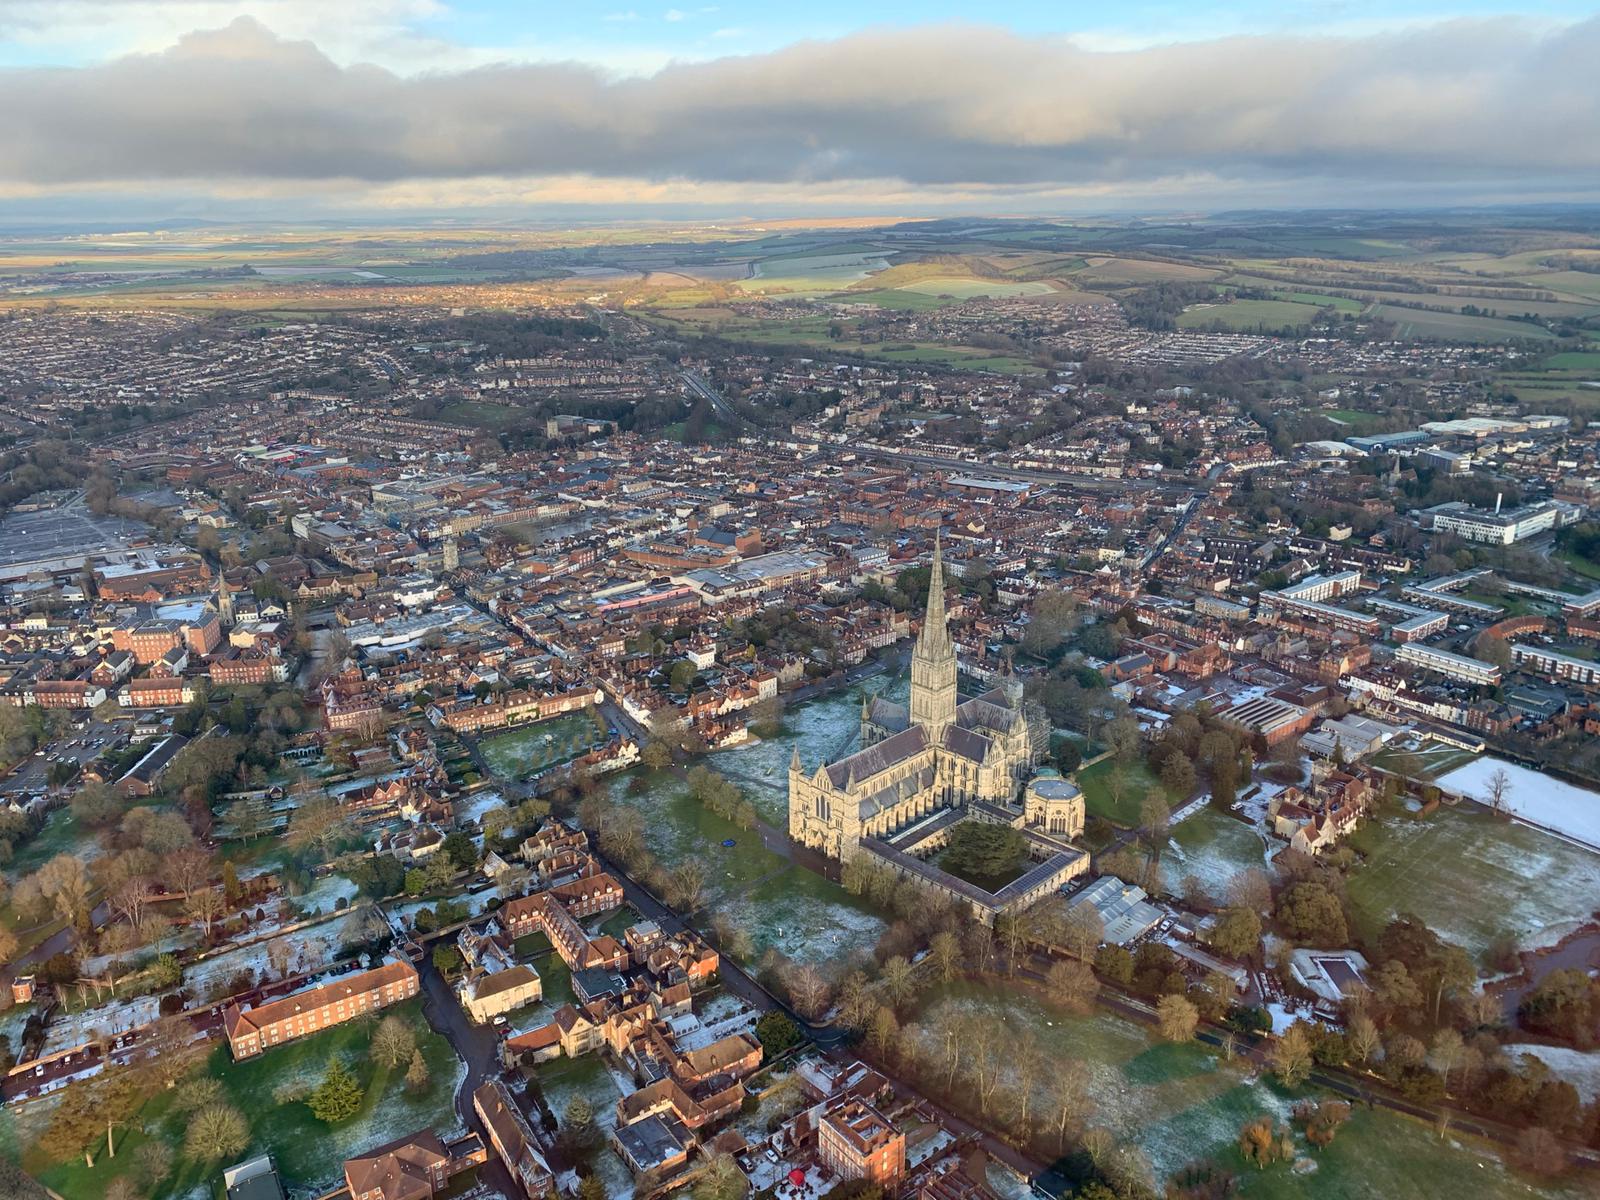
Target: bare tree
(204, 906)
(1499, 791)
(808, 991)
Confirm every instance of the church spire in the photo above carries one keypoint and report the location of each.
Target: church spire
(795, 767)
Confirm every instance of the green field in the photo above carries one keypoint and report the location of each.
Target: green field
(1420, 323)
(1442, 867)
(1573, 360)
(309, 1154)
(1122, 810)
(483, 415)
(1249, 316)
(1179, 1104)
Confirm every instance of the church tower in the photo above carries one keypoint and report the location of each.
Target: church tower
(224, 601)
(933, 662)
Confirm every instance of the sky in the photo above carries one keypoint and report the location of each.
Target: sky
(377, 108)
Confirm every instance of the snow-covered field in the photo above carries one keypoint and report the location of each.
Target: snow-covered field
(1538, 798)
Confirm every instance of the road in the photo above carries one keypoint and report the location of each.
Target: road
(479, 1047)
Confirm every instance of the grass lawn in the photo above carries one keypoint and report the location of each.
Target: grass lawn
(1182, 1103)
(521, 752)
(60, 834)
(1095, 781)
(309, 1154)
(484, 415)
(1442, 867)
(1212, 847)
(1581, 566)
(777, 903)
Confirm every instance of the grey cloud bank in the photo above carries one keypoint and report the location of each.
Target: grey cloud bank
(1500, 103)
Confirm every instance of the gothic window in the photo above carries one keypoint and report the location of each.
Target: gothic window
(822, 807)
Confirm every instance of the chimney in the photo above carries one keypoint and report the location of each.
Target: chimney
(1498, 496)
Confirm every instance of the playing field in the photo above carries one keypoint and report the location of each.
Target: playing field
(1442, 868)
(1436, 758)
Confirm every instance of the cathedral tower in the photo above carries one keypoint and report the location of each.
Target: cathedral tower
(933, 662)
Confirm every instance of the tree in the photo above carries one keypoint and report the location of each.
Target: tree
(578, 1128)
(338, 1097)
(1291, 1055)
(899, 981)
(1498, 791)
(1364, 1039)
(721, 1180)
(446, 959)
(1073, 984)
(318, 825)
(1177, 1018)
(1082, 931)
(1178, 776)
(686, 886)
(417, 1072)
(393, 1042)
(97, 805)
(64, 880)
(1237, 933)
(1263, 1144)
(944, 950)
(884, 1033)
(204, 906)
(1539, 1152)
(1311, 915)
(217, 1132)
(198, 1093)
(153, 1161)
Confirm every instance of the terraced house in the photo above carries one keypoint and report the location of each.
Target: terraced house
(253, 1030)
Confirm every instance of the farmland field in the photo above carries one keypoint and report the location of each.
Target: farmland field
(1419, 323)
(1249, 315)
(968, 288)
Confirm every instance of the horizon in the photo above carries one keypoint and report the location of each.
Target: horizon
(405, 110)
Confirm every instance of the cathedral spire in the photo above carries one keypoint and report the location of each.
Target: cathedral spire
(794, 762)
(933, 622)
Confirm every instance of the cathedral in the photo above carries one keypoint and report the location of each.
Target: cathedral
(936, 755)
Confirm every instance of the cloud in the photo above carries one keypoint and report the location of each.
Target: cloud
(1501, 103)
